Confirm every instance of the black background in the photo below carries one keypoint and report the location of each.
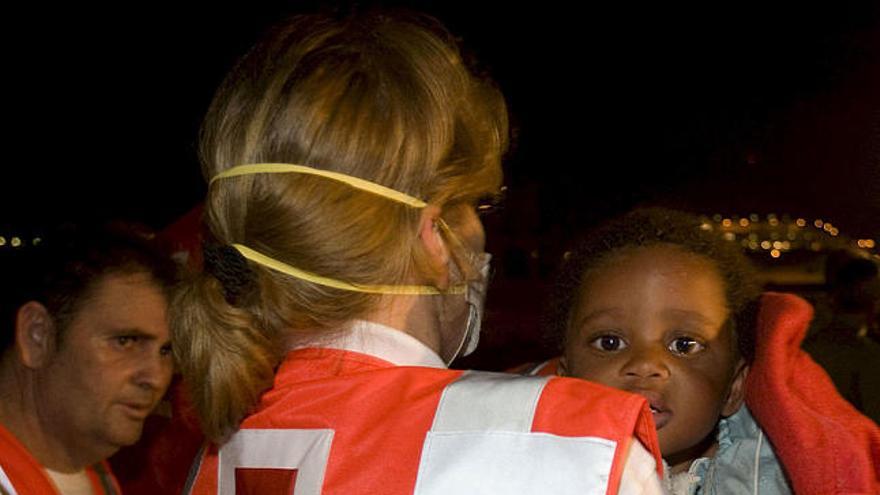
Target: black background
(717, 107)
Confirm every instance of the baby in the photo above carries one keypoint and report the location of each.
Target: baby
(657, 303)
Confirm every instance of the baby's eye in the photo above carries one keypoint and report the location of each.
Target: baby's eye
(685, 346)
(608, 343)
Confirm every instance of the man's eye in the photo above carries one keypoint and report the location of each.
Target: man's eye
(165, 350)
(125, 340)
(685, 346)
(608, 343)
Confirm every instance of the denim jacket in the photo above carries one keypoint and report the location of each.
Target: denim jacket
(744, 464)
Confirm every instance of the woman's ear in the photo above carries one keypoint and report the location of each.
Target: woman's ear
(34, 335)
(737, 393)
(434, 246)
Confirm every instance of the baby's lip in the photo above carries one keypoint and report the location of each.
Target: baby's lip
(659, 410)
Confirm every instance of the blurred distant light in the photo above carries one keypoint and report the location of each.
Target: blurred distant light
(729, 236)
(818, 223)
(744, 222)
(706, 226)
(771, 216)
(773, 222)
(777, 245)
(36, 241)
(15, 242)
(800, 222)
(786, 245)
(765, 244)
(2, 241)
(754, 217)
(869, 243)
(727, 222)
(827, 227)
(753, 245)
(717, 217)
(775, 253)
(861, 243)
(834, 231)
(566, 255)
(816, 246)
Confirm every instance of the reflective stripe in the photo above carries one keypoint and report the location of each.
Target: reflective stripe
(481, 443)
(5, 485)
(481, 401)
(306, 451)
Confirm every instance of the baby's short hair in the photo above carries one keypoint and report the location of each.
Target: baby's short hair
(646, 227)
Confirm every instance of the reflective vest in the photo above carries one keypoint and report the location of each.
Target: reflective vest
(21, 474)
(341, 422)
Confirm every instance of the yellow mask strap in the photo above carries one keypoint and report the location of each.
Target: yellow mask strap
(355, 182)
(405, 290)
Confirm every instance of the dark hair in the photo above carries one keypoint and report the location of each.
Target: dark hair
(62, 269)
(645, 227)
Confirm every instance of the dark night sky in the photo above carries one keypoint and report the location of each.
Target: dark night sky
(733, 107)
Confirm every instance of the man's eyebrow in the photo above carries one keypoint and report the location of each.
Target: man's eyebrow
(131, 332)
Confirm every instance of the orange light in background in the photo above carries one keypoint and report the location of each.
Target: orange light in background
(777, 245)
(773, 222)
(869, 243)
(744, 222)
(775, 253)
(834, 231)
(818, 223)
(800, 222)
(765, 244)
(727, 222)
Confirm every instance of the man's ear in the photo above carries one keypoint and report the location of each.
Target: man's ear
(34, 335)
(737, 394)
(434, 246)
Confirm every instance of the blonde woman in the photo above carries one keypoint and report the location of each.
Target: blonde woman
(345, 159)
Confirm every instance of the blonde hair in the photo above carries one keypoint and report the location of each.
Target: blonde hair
(381, 97)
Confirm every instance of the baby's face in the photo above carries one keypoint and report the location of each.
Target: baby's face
(652, 321)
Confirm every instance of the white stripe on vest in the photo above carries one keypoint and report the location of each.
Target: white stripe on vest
(481, 443)
(5, 484)
(306, 451)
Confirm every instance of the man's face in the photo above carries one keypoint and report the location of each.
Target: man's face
(111, 366)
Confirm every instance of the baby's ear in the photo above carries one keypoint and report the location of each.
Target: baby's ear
(562, 367)
(736, 394)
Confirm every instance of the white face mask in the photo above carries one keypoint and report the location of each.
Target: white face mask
(475, 300)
